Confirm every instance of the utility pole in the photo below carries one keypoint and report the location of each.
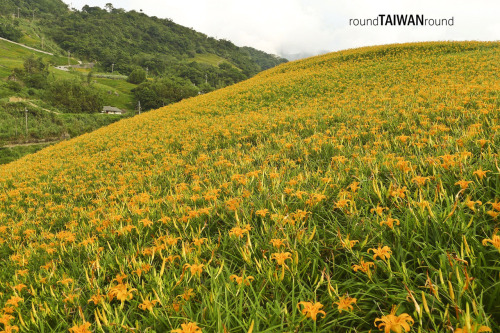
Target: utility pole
(42, 41)
(147, 71)
(139, 106)
(112, 68)
(33, 16)
(69, 63)
(17, 12)
(26, 117)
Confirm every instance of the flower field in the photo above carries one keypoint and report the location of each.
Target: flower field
(354, 191)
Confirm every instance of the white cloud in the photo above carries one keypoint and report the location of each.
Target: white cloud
(313, 26)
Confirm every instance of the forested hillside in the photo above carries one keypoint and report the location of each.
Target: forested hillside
(26, 7)
(130, 39)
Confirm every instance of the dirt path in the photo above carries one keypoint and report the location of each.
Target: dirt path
(29, 144)
(28, 47)
(47, 110)
(19, 99)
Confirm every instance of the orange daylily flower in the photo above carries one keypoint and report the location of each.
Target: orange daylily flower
(480, 173)
(83, 328)
(393, 323)
(390, 222)
(14, 300)
(241, 279)
(188, 328)
(195, 269)
(238, 232)
(363, 266)
(187, 294)
(464, 184)
(346, 242)
(381, 252)
(345, 303)
(494, 240)
(121, 292)
(471, 204)
(148, 305)
(311, 310)
(280, 257)
(277, 243)
(262, 212)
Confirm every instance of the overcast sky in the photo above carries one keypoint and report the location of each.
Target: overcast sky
(310, 27)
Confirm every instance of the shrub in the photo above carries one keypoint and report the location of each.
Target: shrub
(137, 76)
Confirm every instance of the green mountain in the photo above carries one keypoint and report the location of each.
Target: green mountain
(131, 39)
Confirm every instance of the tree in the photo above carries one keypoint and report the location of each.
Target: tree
(34, 72)
(153, 95)
(89, 77)
(9, 31)
(75, 96)
(137, 76)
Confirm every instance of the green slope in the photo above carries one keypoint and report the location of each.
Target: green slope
(45, 122)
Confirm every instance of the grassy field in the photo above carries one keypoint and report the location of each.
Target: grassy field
(356, 191)
(32, 36)
(118, 92)
(43, 124)
(210, 59)
(10, 154)
(12, 56)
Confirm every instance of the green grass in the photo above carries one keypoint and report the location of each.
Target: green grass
(43, 125)
(124, 100)
(12, 56)
(210, 59)
(11, 154)
(33, 37)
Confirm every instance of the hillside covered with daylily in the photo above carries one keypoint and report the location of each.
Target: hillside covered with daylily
(349, 192)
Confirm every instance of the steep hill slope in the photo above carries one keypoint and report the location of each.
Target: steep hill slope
(317, 196)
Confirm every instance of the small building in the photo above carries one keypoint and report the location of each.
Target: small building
(112, 110)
